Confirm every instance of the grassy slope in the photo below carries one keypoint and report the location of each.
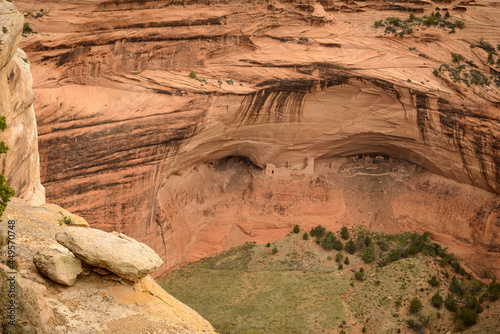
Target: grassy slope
(301, 290)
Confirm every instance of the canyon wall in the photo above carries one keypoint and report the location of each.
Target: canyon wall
(128, 103)
(20, 165)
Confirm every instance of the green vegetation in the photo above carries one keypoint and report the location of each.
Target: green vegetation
(456, 57)
(400, 27)
(65, 220)
(4, 29)
(296, 229)
(275, 250)
(437, 300)
(469, 77)
(6, 192)
(305, 236)
(434, 281)
(304, 39)
(415, 305)
(330, 242)
(451, 303)
(493, 291)
(192, 75)
(300, 289)
(27, 29)
(369, 253)
(350, 247)
(344, 233)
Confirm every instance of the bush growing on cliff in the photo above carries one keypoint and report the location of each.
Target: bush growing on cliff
(457, 57)
(6, 192)
(192, 75)
(65, 220)
(305, 236)
(27, 29)
(296, 229)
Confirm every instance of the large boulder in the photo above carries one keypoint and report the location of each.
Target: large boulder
(118, 253)
(60, 267)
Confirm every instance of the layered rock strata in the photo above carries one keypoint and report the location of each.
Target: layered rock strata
(126, 103)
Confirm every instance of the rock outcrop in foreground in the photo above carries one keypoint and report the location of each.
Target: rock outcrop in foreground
(127, 106)
(117, 253)
(96, 303)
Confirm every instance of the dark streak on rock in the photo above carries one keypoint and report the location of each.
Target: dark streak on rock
(280, 103)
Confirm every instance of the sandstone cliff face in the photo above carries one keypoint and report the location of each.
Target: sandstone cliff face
(119, 115)
(20, 164)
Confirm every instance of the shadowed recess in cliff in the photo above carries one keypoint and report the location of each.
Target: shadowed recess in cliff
(380, 145)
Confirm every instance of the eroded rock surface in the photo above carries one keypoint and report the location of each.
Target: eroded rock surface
(20, 165)
(118, 253)
(275, 83)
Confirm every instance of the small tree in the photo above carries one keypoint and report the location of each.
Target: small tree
(415, 305)
(344, 233)
(350, 247)
(192, 75)
(268, 244)
(467, 316)
(296, 229)
(275, 250)
(369, 253)
(490, 57)
(493, 290)
(346, 261)
(456, 287)
(447, 15)
(434, 281)
(368, 241)
(337, 244)
(451, 303)
(328, 241)
(437, 300)
(305, 236)
(360, 275)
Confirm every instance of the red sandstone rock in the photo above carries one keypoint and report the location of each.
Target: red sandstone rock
(119, 115)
